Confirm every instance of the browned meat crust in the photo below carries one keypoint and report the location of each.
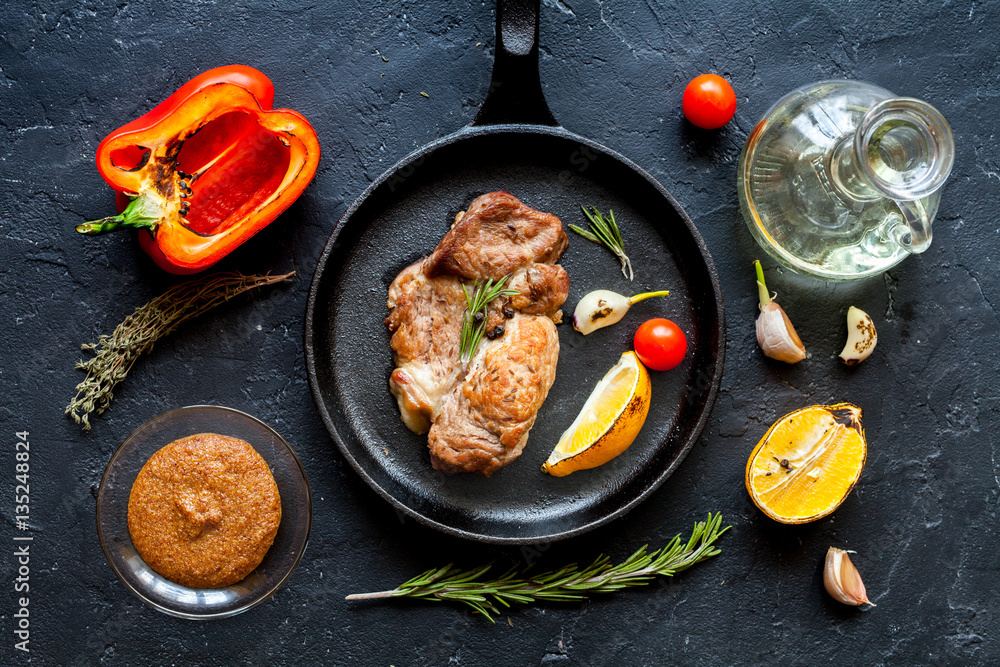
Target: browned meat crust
(478, 417)
(497, 236)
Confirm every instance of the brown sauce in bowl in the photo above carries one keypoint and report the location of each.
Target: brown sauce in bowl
(204, 510)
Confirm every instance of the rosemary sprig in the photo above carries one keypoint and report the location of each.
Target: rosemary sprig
(568, 583)
(476, 304)
(136, 335)
(604, 231)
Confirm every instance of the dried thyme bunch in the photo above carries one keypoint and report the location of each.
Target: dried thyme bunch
(135, 336)
(568, 583)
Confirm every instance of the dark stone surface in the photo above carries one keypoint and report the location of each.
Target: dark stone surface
(922, 519)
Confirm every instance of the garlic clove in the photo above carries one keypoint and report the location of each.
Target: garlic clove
(602, 308)
(842, 580)
(861, 337)
(775, 334)
(777, 337)
(599, 309)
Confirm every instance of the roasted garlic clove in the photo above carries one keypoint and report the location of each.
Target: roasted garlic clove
(602, 308)
(775, 334)
(861, 337)
(842, 580)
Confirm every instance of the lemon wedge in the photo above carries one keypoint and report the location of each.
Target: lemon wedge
(807, 462)
(609, 421)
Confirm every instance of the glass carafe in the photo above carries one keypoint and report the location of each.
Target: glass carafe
(841, 179)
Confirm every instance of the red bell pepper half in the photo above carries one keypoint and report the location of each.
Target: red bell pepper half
(206, 169)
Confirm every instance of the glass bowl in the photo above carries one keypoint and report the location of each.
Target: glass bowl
(203, 603)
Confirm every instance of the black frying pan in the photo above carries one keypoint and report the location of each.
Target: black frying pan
(514, 144)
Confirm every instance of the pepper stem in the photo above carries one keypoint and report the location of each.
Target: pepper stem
(762, 293)
(647, 295)
(137, 215)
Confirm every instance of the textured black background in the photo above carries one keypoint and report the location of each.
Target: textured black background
(923, 518)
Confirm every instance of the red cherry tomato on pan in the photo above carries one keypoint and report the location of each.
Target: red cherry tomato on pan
(709, 101)
(660, 344)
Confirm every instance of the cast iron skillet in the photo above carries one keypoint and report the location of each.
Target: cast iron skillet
(514, 144)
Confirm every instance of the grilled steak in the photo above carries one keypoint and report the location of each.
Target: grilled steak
(477, 416)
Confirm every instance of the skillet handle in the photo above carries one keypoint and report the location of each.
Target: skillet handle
(515, 94)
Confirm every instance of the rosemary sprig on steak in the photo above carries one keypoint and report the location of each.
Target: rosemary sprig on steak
(472, 588)
(604, 231)
(477, 303)
(136, 335)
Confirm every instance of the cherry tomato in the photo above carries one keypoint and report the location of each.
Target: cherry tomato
(709, 101)
(660, 344)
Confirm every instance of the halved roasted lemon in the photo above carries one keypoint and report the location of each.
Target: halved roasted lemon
(807, 462)
(609, 421)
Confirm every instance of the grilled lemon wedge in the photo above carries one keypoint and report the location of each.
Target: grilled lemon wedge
(609, 421)
(807, 462)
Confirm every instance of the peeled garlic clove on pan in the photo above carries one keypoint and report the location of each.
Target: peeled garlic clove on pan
(602, 308)
(599, 309)
(861, 337)
(842, 580)
(775, 334)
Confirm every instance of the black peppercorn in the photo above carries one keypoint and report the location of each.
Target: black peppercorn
(508, 312)
(498, 331)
